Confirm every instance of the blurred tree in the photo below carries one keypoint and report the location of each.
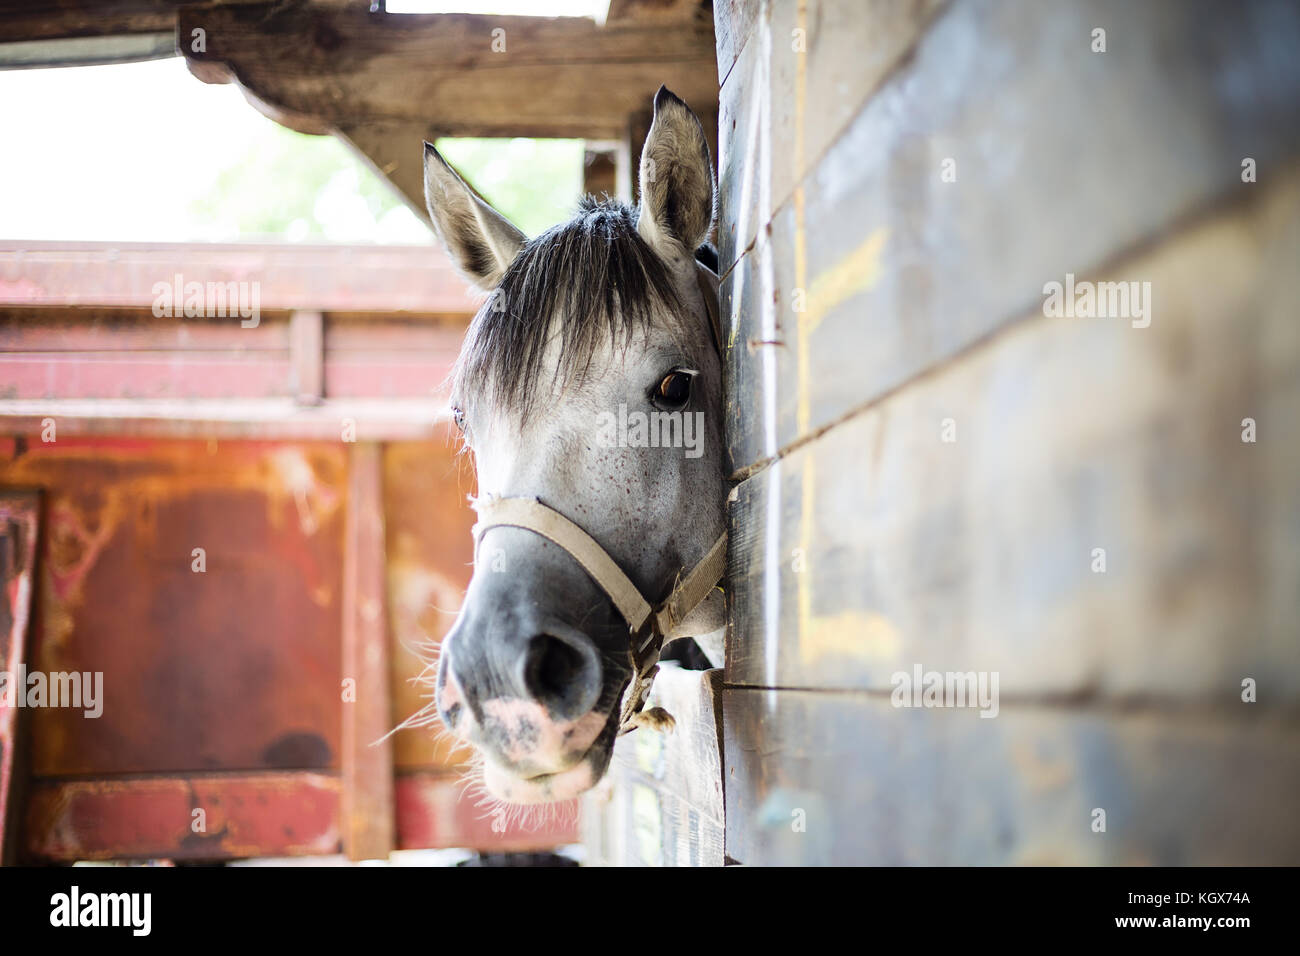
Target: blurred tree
(285, 185)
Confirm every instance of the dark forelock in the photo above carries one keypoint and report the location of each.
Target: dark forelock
(595, 273)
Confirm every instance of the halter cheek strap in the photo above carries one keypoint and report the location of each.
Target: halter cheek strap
(649, 625)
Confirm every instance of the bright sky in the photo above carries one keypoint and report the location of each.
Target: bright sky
(119, 153)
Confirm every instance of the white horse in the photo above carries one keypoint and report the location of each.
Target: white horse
(589, 388)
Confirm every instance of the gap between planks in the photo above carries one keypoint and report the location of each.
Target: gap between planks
(1214, 208)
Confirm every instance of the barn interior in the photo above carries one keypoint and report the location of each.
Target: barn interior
(256, 529)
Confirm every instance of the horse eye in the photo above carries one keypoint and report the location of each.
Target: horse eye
(458, 416)
(674, 390)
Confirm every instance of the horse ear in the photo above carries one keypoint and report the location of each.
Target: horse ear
(678, 191)
(480, 240)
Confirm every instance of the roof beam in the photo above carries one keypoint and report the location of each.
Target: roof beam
(453, 74)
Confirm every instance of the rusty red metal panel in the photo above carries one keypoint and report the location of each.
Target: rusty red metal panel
(289, 276)
(367, 709)
(19, 530)
(430, 557)
(202, 580)
(435, 811)
(240, 815)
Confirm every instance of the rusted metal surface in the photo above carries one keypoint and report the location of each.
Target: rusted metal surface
(206, 669)
(430, 557)
(367, 699)
(375, 279)
(238, 667)
(184, 818)
(19, 528)
(434, 810)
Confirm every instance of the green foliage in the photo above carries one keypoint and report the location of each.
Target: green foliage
(285, 185)
(535, 183)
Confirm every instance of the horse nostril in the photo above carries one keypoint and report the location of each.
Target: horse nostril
(561, 677)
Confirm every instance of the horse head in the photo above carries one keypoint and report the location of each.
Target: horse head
(589, 391)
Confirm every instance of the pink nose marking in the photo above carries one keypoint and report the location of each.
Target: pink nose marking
(532, 737)
(450, 695)
(451, 707)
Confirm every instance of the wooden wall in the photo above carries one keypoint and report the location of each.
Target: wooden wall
(932, 469)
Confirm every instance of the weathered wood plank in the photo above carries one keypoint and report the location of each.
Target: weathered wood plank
(886, 786)
(307, 357)
(881, 543)
(367, 758)
(21, 21)
(56, 354)
(191, 817)
(733, 23)
(662, 802)
(394, 151)
(287, 276)
(1064, 158)
(463, 75)
(806, 68)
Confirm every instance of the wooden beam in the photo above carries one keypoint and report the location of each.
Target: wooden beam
(367, 804)
(288, 276)
(307, 357)
(462, 75)
(395, 151)
(23, 21)
(600, 171)
(86, 51)
(657, 11)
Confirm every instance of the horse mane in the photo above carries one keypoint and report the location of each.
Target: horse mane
(596, 273)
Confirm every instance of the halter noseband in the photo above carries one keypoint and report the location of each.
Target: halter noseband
(648, 624)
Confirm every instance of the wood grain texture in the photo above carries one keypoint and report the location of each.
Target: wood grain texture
(733, 24)
(458, 74)
(367, 752)
(371, 280)
(1064, 158)
(805, 70)
(662, 803)
(885, 786)
(880, 544)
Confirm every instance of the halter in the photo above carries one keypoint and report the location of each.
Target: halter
(648, 624)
